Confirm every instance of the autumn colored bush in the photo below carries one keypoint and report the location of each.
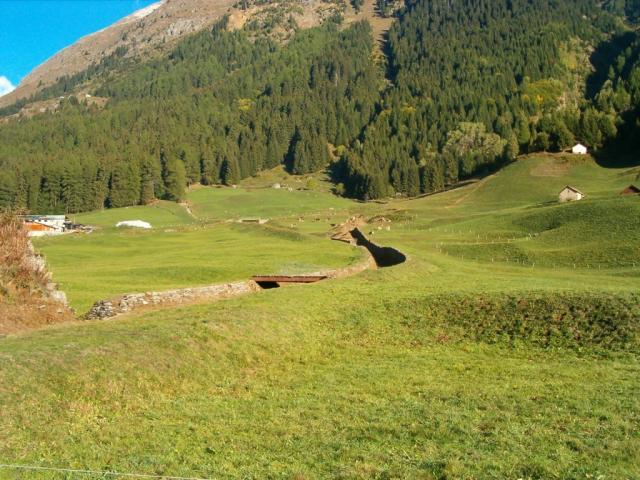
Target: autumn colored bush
(24, 296)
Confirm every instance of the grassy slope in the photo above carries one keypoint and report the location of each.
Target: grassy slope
(160, 214)
(338, 379)
(224, 203)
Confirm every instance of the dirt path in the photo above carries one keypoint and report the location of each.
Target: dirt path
(187, 207)
(379, 25)
(476, 186)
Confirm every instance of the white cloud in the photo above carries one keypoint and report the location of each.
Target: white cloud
(6, 86)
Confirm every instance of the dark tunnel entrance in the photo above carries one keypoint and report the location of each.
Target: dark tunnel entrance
(268, 285)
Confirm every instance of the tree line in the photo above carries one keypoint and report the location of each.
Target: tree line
(220, 107)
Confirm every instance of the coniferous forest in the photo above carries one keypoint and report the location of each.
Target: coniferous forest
(465, 88)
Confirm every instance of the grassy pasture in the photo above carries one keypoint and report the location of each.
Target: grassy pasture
(588, 234)
(537, 180)
(160, 214)
(228, 203)
(331, 380)
(111, 262)
(442, 367)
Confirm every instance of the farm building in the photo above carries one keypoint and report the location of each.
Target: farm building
(40, 225)
(630, 190)
(570, 194)
(579, 149)
(37, 229)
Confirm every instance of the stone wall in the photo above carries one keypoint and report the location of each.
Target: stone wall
(132, 301)
(37, 264)
(369, 263)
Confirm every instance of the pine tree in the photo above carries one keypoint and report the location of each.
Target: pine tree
(124, 185)
(230, 172)
(175, 179)
(149, 178)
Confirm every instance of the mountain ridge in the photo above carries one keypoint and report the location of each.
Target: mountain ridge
(154, 30)
(93, 47)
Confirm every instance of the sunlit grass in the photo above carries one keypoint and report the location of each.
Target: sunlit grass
(382, 375)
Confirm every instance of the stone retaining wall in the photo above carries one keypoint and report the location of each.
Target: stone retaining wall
(132, 301)
(37, 264)
(369, 263)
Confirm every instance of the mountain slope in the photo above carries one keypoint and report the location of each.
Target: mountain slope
(144, 32)
(154, 30)
(460, 93)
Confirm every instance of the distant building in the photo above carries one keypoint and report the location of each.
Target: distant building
(579, 149)
(630, 190)
(40, 225)
(36, 229)
(570, 194)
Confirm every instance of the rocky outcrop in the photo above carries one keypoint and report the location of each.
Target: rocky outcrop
(342, 232)
(37, 264)
(29, 298)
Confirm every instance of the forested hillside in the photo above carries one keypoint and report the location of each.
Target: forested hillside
(475, 83)
(467, 86)
(220, 108)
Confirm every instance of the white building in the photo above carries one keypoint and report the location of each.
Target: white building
(579, 149)
(570, 194)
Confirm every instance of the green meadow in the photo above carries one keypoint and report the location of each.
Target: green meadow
(506, 346)
(112, 261)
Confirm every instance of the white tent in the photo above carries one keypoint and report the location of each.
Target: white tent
(134, 224)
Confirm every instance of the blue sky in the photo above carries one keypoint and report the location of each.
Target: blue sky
(33, 30)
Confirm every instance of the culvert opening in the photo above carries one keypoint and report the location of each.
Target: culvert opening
(384, 256)
(268, 285)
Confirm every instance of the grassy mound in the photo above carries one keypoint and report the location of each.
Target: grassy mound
(586, 234)
(565, 320)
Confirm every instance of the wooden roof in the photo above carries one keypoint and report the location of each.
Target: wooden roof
(630, 190)
(288, 278)
(39, 226)
(573, 189)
